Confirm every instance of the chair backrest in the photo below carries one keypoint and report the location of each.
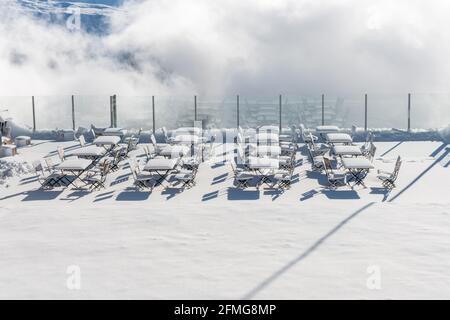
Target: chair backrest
(49, 163)
(398, 163)
(233, 167)
(312, 140)
(373, 149)
(153, 139)
(37, 166)
(82, 141)
(327, 164)
(60, 150)
(133, 168)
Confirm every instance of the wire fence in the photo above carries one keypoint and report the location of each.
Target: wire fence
(401, 111)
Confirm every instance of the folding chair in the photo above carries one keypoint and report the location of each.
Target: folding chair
(335, 178)
(316, 161)
(388, 178)
(141, 179)
(241, 177)
(45, 180)
(97, 178)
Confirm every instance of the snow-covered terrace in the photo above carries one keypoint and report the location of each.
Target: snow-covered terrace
(216, 241)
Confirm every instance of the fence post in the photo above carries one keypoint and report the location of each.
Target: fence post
(237, 109)
(115, 110)
(409, 112)
(365, 112)
(73, 113)
(280, 111)
(153, 113)
(195, 108)
(323, 109)
(34, 114)
(111, 111)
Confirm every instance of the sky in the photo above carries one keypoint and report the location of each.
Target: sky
(225, 47)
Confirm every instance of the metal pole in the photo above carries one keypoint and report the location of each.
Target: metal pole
(365, 112)
(409, 112)
(280, 113)
(323, 109)
(237, 106)
(195, 108)
(153, 113)
(34, 114)
(73, 113)
(115, 110)
(111, 111)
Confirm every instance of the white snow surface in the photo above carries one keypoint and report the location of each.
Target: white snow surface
(216, 242)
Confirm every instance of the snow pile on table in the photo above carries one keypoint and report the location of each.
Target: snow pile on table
(11, 168)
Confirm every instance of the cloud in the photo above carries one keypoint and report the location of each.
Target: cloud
(253, 47)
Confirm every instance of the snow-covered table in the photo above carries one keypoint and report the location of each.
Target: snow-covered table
(89, 152)
(75, 167)
(267, 138)
(345, 150)
(326, 129)
(333, 138)
(107, 141)
(174, 151)
(186, 139)
(358, 168)
(270, 151)
(264, 167)
(162, 167)
(119, 132)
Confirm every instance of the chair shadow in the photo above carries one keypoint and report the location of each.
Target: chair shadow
(41, 195)
(210, 195)
(131, 194)
(28, 180)
(171, 192)
(321, 178)
(78, 194)
(341, 194)
(220, 179)
(239, 194)
(104, 196)
(309, 194)
(382, 191)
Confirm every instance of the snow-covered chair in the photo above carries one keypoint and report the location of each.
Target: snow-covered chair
(388, 178)
(335, 177)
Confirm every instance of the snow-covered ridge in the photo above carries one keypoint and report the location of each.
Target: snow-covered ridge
(66, 7)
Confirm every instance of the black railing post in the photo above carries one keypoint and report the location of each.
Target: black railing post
(153, 114)
(280, 112)
(34, 114)
(237, 109)
(323, 109)
(73, 113)
(365, 112)
(409, 112)
(195, 108)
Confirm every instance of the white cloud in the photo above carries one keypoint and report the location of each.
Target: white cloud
(227, 47)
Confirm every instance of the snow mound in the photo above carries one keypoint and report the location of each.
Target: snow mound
(11, 168)
(445, 134)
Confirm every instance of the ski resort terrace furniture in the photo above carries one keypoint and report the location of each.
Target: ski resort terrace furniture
(141, 179)
(388, 178)
(107, 142)
(96, 179)
(241, 177)
(185, 177)
(334, 138)
(346, 150)
(335, 177)
(161, 167)
(46, 179)
(263, 168)
(327, 129)
(117, 132)
(89, 152)
(267, 138)
(174, 151)
(307, 137)
(318, 149)
(358, 168)
(73, 168)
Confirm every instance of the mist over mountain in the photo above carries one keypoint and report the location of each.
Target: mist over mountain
(224, 47)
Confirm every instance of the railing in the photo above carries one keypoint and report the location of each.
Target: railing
(401, 111)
